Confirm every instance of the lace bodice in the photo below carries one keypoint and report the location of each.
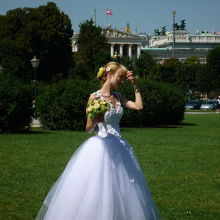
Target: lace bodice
(111, 118)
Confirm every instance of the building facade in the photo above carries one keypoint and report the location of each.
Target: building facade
(125, 43)
(122, 43)
(183, 44)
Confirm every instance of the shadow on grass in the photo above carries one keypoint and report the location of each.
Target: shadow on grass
(127, 129)
(181, 125)
(32, 131)
(37, 132)
(187, 124)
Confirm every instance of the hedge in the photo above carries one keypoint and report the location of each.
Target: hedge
(62, 105)
(163, 104)
(15, 104)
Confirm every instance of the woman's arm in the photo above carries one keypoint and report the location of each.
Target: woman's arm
(91, 123)
(137, 104)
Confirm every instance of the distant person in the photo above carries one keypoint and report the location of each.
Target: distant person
(218, 104)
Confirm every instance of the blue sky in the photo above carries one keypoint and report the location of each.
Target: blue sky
(143, 15)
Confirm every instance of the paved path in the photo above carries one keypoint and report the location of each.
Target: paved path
(201, 113)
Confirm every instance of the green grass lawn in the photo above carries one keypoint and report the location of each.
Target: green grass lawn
(181, 164)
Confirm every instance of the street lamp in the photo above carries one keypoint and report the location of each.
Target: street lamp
(1, 68)
(35, 63)
(174, 13)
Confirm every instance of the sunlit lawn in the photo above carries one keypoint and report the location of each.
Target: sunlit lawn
(181, 164)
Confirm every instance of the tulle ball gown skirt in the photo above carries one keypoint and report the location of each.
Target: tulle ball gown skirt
(102, 181)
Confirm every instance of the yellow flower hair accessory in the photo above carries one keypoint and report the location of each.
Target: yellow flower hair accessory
(101, 71)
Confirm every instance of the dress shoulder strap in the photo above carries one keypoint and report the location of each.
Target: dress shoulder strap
(97, 94)
(118, 96)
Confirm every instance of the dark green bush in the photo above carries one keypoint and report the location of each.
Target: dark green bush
(163, 104)
(15, 104)
(62, 105)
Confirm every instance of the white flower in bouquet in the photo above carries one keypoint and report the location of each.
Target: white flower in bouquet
(97, 107)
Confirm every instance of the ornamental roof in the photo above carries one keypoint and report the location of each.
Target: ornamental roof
(117, 33)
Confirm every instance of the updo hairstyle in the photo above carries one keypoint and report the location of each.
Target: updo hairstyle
(113, 66)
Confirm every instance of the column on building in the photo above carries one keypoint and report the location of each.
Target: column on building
(121, 50)
(130, 51)
(138, 50)
(112, 50)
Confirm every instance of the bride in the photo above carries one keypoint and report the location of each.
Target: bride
(103, 180)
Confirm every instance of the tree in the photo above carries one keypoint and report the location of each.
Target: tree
(144, 65)
(167, 72)
(45, 32)
(213, 62)
(190, 76)
(205, 79)
(124, 60)
(15, 104)
(93, 49)
(192, 60)
(186, 77)
(11, 59)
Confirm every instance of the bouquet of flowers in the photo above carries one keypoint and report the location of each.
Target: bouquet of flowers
(97, 107)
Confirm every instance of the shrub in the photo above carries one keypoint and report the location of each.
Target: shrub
(62, 105)
(15, 104)
(163, 104)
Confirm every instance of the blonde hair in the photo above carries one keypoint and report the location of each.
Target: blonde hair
(114, 66)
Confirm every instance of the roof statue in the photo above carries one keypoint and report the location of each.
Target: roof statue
(128, 29)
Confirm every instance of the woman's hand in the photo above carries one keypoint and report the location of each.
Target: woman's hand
(131, 77)
(91, 123)
(99, 118)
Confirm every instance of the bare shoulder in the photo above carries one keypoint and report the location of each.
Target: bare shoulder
(92, 97)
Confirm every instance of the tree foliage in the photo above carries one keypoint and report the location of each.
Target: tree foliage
(144, 65)
(62, 105)
(15, 104)
(125, 60)
(166, 72)
(93, 49)
(190, 76)
(213, 62)
(45, 32)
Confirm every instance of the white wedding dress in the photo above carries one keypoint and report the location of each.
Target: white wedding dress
(102, 180)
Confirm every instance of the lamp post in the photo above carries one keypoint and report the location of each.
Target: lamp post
(1, 68)
(35, 63)
(174, 13)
